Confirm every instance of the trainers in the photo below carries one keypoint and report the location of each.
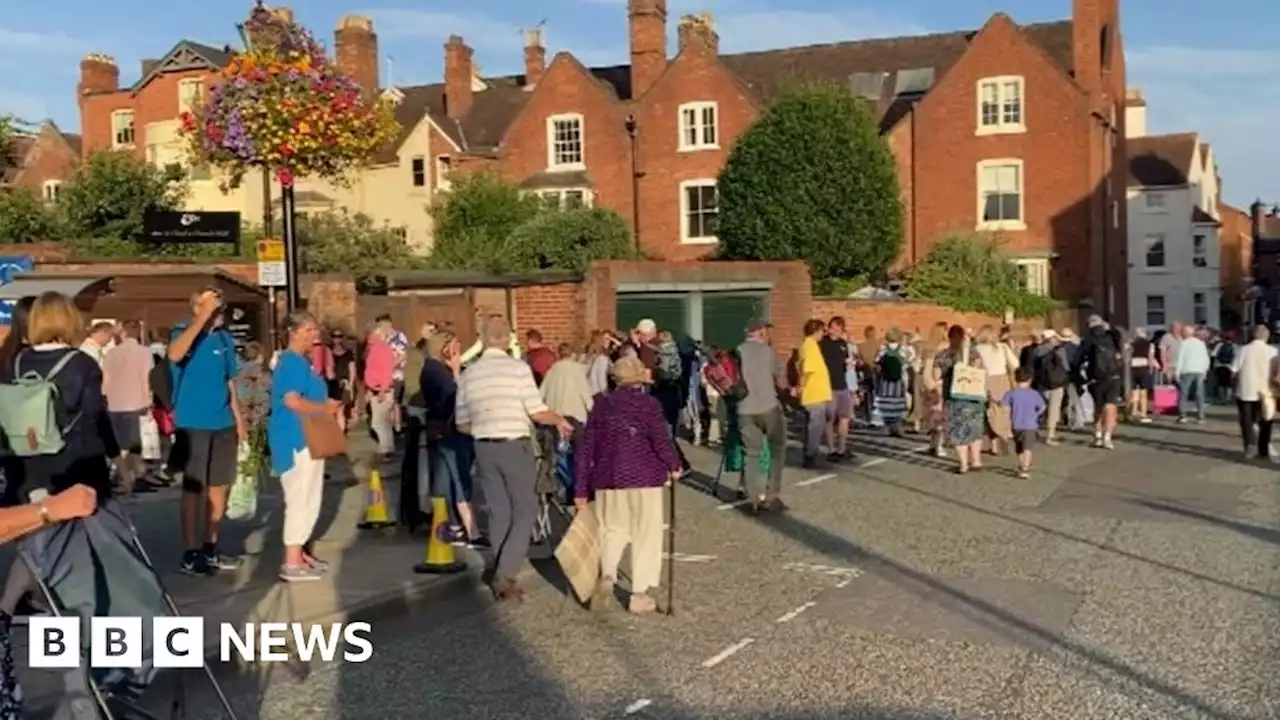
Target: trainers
(1024, 475)
(321, 566)
(300, 573)
(215, 560)
(479, 542)
(1107, 444)
(196, 563)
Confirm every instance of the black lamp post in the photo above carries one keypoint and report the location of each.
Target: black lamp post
(631, 126)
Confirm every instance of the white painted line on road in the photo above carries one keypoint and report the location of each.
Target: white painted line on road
(844, 583)
(735, 504)
(795, 613)
(874, 462)
(844, 572)
(727, 653)
(815, 480)
(638, 705)
(682, 557)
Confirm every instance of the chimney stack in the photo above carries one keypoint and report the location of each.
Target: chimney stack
(356, 49)
(1135, 113)
(699, 28)
(459, 72)
(535, 57)
(648, 33)
(98, 74)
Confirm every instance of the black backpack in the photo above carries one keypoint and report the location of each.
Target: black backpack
(1051, 370)
(1106, 361)
(892, 365)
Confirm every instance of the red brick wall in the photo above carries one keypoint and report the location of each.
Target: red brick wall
(905, 316)
(51, 158)
(557, 311)
(157, 101)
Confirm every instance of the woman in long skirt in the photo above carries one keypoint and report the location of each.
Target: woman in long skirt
(893, 381)
(966, 420)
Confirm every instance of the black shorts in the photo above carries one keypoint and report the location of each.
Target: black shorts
(1107, 391)
(1024, 440)
(127, 427)
(206, 458)
(1143, 378)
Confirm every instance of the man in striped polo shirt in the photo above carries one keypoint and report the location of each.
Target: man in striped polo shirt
(497, 399)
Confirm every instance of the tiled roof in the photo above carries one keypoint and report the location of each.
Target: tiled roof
(1202, 217)
(496, 107)
(1160, 160)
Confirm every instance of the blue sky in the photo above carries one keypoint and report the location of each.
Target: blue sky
(1201, 68)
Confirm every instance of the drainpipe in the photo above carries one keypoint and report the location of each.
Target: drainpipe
(915, 248)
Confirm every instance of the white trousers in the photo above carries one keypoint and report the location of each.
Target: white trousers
(382, 415)
(303, 491)
(631, 517)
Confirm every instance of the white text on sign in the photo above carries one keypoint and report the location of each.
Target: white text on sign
(179, 642)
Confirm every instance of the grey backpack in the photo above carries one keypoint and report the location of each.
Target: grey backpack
(29, 412)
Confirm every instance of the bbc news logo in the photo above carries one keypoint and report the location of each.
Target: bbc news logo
(178, 642)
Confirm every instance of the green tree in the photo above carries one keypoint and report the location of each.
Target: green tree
(475, 220)
(25, 219)
(110, 194)
(570, 240)
(487, 224)
(971, 274)
(351, 243)
(812, 179)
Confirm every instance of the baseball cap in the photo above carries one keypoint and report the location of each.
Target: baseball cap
(758, 324)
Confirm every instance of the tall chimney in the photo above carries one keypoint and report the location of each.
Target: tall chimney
(648, 31)
(98, 74)
(459, 72)
(1135, 113)
(356, 48)
(1094, 27)
(535, 57)
(698, 28)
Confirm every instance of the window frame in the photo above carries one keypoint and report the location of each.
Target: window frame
(552, 163)
(1001, 126)
(700, 126)
(685, 186)
(116, 128)
(562, 197)
(1200, 308)
(185, 83)
(1164, 311)
(1155, 207)
(418, 171)
(443, 166)
(981, 200)
(1038, 277)
(1147, 241)
(50, 190)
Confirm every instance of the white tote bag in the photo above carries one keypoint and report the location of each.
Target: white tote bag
(150, 433)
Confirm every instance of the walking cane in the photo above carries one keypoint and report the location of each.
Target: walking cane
(671, 547)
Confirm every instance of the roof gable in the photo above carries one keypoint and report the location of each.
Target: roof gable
(1161, 160)
(186, 55)
(562, 62)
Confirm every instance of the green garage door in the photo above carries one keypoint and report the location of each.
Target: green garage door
(725, 316)
(670, 311)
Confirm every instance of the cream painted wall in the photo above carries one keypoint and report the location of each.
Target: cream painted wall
(385, 193)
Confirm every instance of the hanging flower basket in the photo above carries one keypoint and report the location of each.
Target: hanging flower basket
(284, 106)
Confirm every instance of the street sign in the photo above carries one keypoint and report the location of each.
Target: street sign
(271, 264)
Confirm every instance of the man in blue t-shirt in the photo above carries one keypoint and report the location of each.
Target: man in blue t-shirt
(210, 427)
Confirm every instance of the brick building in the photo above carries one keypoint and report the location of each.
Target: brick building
(1009, 129)
(41, 161)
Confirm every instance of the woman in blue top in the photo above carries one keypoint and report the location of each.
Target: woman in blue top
(297, 390)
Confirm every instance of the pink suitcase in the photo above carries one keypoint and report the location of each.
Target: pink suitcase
(1164, 400)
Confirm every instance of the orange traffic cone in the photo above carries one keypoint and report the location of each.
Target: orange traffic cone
(376, 513)
(441, 558)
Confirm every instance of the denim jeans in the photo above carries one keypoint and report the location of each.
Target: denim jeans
(1189, 385)
(446, 470)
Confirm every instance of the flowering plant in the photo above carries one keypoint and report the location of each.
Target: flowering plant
(284, 106)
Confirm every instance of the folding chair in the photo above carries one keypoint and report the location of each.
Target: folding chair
(112, 704)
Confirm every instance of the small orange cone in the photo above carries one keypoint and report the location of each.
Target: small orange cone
(376, 513)
(441, 559)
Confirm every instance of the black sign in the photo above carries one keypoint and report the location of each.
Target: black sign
(244, 322)
(185, 227)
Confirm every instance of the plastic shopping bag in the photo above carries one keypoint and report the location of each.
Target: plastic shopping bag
(150, 432)
(242, 501)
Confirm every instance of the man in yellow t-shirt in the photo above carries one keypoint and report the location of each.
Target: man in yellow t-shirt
(815, 391)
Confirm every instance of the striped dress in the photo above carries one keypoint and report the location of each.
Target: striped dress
(891, 396)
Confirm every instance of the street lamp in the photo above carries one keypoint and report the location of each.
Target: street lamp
(631, 126)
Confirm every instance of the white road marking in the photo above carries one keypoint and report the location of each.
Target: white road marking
(795, 613)
(874, 462)
(727, 653)
(844, 583)
(815, 480)
(638, 705)
(682, 557)
(735, 504)
(843, 572)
